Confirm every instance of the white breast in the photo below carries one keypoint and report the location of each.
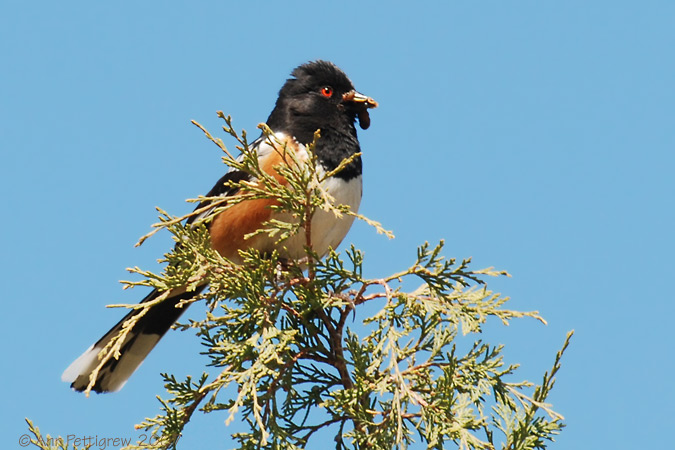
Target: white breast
(328, 230)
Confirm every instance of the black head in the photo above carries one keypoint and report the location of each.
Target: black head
(319, 97)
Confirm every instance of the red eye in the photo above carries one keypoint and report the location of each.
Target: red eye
(327, 91)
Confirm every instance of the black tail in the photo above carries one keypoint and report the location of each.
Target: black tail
(139, 342)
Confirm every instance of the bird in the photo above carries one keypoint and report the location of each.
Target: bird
(318, 96)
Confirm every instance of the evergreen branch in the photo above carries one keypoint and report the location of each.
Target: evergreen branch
(289, 366)
(47, 442)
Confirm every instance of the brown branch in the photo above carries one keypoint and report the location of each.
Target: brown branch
(335, 341)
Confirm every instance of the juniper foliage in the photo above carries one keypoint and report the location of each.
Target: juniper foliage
(299, 349)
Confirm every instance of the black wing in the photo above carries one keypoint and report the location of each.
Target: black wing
(221, 189)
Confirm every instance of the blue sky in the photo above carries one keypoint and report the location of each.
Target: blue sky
(534, 136)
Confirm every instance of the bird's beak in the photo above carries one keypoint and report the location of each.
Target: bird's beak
(361, 103)
(358, 98)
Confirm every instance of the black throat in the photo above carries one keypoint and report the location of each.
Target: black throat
(334, 147)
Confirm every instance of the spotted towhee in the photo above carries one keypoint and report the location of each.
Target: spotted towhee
(319, 96)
